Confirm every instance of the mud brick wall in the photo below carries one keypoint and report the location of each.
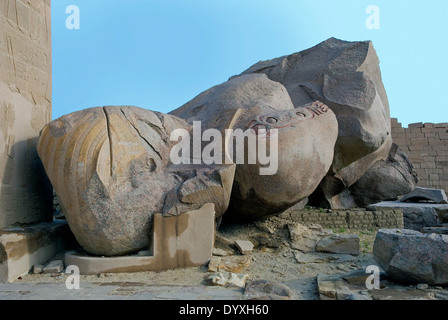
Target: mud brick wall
(25, 107)
(426, 144)
(354, 219)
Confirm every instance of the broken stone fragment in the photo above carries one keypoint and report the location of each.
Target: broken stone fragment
(221, 252)
(221, 242)
(339, 243)
(38, 268)
(320, 257)
(305, 238)
(442, 213)
(265, 227)
(55, 266)
(352, 286)
(411, 257)
(234, 264)
(244, 246)
(267, 290)
(263, 240)
(422, 286)
(419, 194)
(213, 265)
(227, 279)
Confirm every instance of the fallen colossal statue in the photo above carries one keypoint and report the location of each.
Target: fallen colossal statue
(312, 125)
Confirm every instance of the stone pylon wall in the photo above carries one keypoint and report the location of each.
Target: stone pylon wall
(25, 107)
(426, 144)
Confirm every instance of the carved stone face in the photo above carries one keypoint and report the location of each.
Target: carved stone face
(287, 118)
(306, 137)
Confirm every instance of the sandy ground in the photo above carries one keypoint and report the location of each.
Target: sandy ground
(272, 262)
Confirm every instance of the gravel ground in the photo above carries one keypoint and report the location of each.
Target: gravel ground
(272, 260)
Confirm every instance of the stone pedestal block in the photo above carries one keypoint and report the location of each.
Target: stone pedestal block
(179, 241)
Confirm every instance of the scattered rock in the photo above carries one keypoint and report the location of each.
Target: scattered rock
(267, 290)
(234, 264)
(412, 257)
(221, 252)
(221, 242)
(416, 218)
(364, 293)
(441, 295)
(104, 275)
(227, 279)
(305, 238)
(442, 213)
(271, 297)
(264, 240)
(264, 227)
(357, 277)
(244, 246)
(339, 243)
(352, 286)
(333, 288)
(316, 257)
(426, 194)
(55, 266)
(38, 268)
(422, 286)
(401, 293)
(358, 296)
(214, 263)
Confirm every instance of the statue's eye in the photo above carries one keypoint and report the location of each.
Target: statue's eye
(301, 114)
(271, 120)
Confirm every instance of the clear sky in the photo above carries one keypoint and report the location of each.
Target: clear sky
(159, 54)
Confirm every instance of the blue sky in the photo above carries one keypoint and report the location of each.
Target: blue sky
(159, 54)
